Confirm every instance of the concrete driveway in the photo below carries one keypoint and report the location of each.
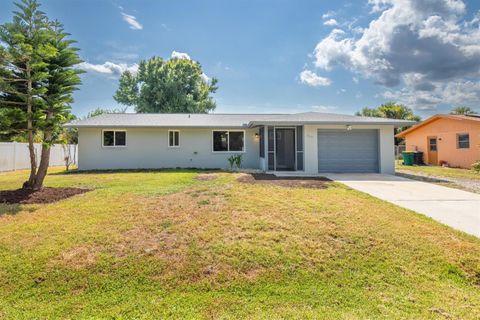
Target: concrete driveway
(455, 208)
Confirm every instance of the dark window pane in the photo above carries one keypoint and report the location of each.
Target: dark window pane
(271, 161)
(432, 144)
(170, 138)
(108, 138)
(177, 138)
(120, 138)
(262, 142)
(220, 142)
(236, 141)
(299, 138)
(271, 144)
(299, 160)
(463, 141)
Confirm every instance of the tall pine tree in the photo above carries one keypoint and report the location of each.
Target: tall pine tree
(62, 80)
(37, 79)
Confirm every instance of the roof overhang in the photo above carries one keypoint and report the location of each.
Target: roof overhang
(396, 124)
(431, 119)
(251, 124)
(73, 125)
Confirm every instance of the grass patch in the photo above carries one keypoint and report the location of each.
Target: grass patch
(439, 171)
(168, 245)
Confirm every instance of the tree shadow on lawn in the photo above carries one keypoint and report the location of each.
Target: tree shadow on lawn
(7, 209)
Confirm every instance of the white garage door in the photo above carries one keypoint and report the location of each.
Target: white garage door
(348, 151)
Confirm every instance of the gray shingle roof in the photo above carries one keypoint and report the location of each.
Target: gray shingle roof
(223, 120)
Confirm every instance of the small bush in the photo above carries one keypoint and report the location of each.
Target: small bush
(476, 166)
(235, 161)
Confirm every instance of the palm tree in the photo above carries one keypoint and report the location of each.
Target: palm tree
(463, 110)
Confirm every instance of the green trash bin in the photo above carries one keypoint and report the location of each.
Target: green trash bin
(408, 158)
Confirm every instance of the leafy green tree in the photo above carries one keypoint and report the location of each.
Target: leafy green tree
(368, 112)
(397, 111)
(167, 86)
(390, 110)
(37, 79)
(463, 110)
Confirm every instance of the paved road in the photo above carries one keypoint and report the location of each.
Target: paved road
(456, 208)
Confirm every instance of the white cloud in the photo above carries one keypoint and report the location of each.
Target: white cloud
(108, 68)
(421, 46)
(132, 21)
(453, 93)
(331, 22)
(312, 79)
(180, 55)
(328, 14)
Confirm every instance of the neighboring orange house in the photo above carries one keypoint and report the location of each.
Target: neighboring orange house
(454, 139)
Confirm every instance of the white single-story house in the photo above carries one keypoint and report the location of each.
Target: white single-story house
(309, 143)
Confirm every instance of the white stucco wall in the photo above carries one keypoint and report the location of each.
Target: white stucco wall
(386, 145)
(148, 148)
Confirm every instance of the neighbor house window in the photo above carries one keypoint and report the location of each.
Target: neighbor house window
(228, 141)
(114, 138)
(463, 141)
(433, 144)
(173, 138)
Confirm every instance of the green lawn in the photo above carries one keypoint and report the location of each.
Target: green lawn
(149, 245)
(441, 171)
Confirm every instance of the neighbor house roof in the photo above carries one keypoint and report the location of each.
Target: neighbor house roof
(224, 120)
(457, 117)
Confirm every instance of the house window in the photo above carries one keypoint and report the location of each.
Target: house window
(228, 141)
(173, 138)
(114, 138)
(433, 144)
(463, 141)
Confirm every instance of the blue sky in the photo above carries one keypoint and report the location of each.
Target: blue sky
(285, 56)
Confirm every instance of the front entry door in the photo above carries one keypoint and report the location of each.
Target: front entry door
(432, 151)
(285, 149)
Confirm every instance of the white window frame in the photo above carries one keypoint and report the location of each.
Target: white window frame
(228, 141)
(114, 130)
(168, 139)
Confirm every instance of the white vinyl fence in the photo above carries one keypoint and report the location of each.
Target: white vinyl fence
(15, 155)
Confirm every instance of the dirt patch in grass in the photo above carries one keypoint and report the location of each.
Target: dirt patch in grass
(289, 182)
(45, 195)
(80, 257)
(207, 176)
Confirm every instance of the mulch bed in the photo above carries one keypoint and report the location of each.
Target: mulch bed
(45, 195)
(289, 182)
